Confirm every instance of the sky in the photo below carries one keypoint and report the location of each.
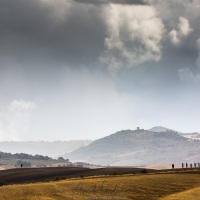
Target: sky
(83, 69)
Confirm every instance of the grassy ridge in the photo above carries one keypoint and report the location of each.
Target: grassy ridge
(138, 187)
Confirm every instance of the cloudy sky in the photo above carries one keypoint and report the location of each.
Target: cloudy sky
(83, 69)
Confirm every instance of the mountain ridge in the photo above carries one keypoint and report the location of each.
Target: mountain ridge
(138, 147)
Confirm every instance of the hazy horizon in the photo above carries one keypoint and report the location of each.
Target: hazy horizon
(77, 69)
(88, 139)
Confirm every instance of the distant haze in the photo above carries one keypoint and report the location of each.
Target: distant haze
(52, 149)
(83, 69)
(140, 147)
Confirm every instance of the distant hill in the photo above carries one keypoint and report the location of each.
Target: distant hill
(191, 136)
(160, 129)
(139, 147)
(52, 149)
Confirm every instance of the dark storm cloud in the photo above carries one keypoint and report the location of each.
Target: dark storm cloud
(41, 32)
(55, 33)
(46, 32)
(131, 2)
(181, 17)
(39, 38)
(50, 50)
(50, 34)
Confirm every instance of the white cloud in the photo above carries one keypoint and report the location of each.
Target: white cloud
(21, 105)
(15, 120)
(174, 37)
(184, 26)
(183, 30)
(134, 36)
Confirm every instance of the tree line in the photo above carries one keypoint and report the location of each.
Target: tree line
(23, 156)
(186, 165)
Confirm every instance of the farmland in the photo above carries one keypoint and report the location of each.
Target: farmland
(163, 186)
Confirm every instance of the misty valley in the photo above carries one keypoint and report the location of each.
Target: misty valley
(139, 147)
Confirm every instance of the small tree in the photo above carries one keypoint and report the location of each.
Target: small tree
(21, 164)
(61, 159)
(172, 166)
(182, 165)
(186, 165)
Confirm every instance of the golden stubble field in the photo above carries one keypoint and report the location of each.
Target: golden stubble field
(167, 186)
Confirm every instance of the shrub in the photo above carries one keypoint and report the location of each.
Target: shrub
(2, 183)
(113, 173)
(143, 171)
(60, 178)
